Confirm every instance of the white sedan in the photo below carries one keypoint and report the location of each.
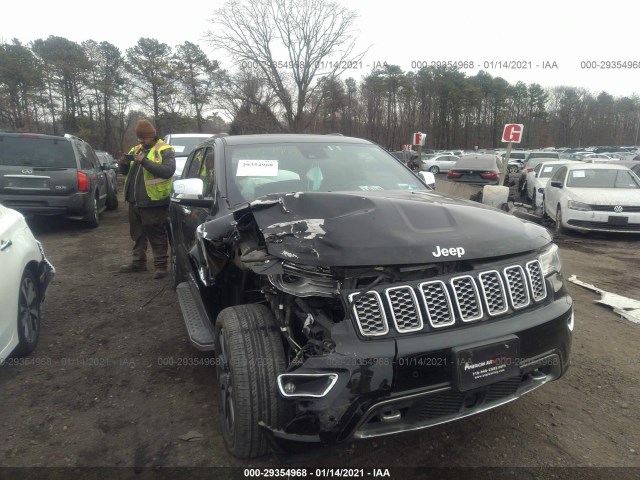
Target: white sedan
(594, 197)
(26, 273)
(537, 179)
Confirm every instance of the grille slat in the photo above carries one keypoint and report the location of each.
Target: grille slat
(465, 292)
(493, 291)
(517, 286)
(536, 280)
(437, 303)
(465, 298)
(404, 309)
(370, 315)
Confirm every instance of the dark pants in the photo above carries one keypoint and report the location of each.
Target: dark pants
(149, 224)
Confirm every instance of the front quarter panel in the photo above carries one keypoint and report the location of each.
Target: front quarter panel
(13, 260)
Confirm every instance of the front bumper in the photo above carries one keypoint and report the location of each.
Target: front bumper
(387, 386)
(624, 222)
(46, 272)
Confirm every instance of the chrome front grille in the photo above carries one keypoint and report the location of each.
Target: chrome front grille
(464, 298)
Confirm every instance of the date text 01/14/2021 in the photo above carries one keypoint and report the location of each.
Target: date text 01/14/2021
(316, 473)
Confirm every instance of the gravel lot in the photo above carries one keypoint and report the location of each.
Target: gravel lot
(114, 382)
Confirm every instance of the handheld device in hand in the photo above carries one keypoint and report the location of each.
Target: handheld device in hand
(130, 157)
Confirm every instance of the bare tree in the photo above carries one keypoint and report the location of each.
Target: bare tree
(314, 38)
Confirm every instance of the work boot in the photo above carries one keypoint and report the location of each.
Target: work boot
(133, 267)
(160, 273)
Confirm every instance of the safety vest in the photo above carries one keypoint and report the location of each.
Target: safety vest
(157, 188)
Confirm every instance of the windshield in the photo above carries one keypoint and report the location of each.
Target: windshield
(601, 179)
(548, 170)
(257, 170)
(22, 151)
(184, 145)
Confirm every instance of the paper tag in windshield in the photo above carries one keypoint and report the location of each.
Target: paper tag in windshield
(178, 148)
(257, 168)
(578, 174)
(547, 169)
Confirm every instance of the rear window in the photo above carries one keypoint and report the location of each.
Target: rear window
(36, 152)
(544, 155)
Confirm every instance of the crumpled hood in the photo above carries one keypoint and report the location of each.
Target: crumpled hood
(388, 228)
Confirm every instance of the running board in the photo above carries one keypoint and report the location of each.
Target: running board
(195, 317)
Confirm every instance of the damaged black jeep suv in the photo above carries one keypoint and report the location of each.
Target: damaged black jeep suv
(344, 299)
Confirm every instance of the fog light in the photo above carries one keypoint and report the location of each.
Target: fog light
(306, 384)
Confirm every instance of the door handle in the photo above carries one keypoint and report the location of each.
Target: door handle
(4, 244)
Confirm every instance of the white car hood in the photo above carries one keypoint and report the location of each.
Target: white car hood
(605, 196)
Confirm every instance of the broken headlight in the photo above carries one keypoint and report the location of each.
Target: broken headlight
(550, 260)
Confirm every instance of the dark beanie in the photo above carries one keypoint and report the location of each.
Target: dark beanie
(144, 128)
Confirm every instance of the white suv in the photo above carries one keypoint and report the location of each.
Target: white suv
(183, 143)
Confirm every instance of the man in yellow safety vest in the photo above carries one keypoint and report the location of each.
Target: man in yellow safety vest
(149, 169)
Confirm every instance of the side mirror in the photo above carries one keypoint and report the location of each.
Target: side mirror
(428, 178)
(556, 184)
(190, 192)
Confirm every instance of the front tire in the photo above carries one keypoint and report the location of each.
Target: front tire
(29, 319)
(558, 227)
(249, 358)
(435, 170)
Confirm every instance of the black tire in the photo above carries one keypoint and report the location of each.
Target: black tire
(92, 219)
(513, 169)
(558, 225)
(249, 358)
(28, 320)
(112, 198)
(435, 170)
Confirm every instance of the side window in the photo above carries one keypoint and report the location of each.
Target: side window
(85, 162)
(194, 166)
(207, 172)
(91, 154)
(559, 175)
(537, 169)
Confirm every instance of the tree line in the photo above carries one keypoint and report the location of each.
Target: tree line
(96, 91)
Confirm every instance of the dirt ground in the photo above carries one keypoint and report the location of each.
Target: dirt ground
(114, 381)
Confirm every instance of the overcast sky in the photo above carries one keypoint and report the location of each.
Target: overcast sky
(400, 32)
